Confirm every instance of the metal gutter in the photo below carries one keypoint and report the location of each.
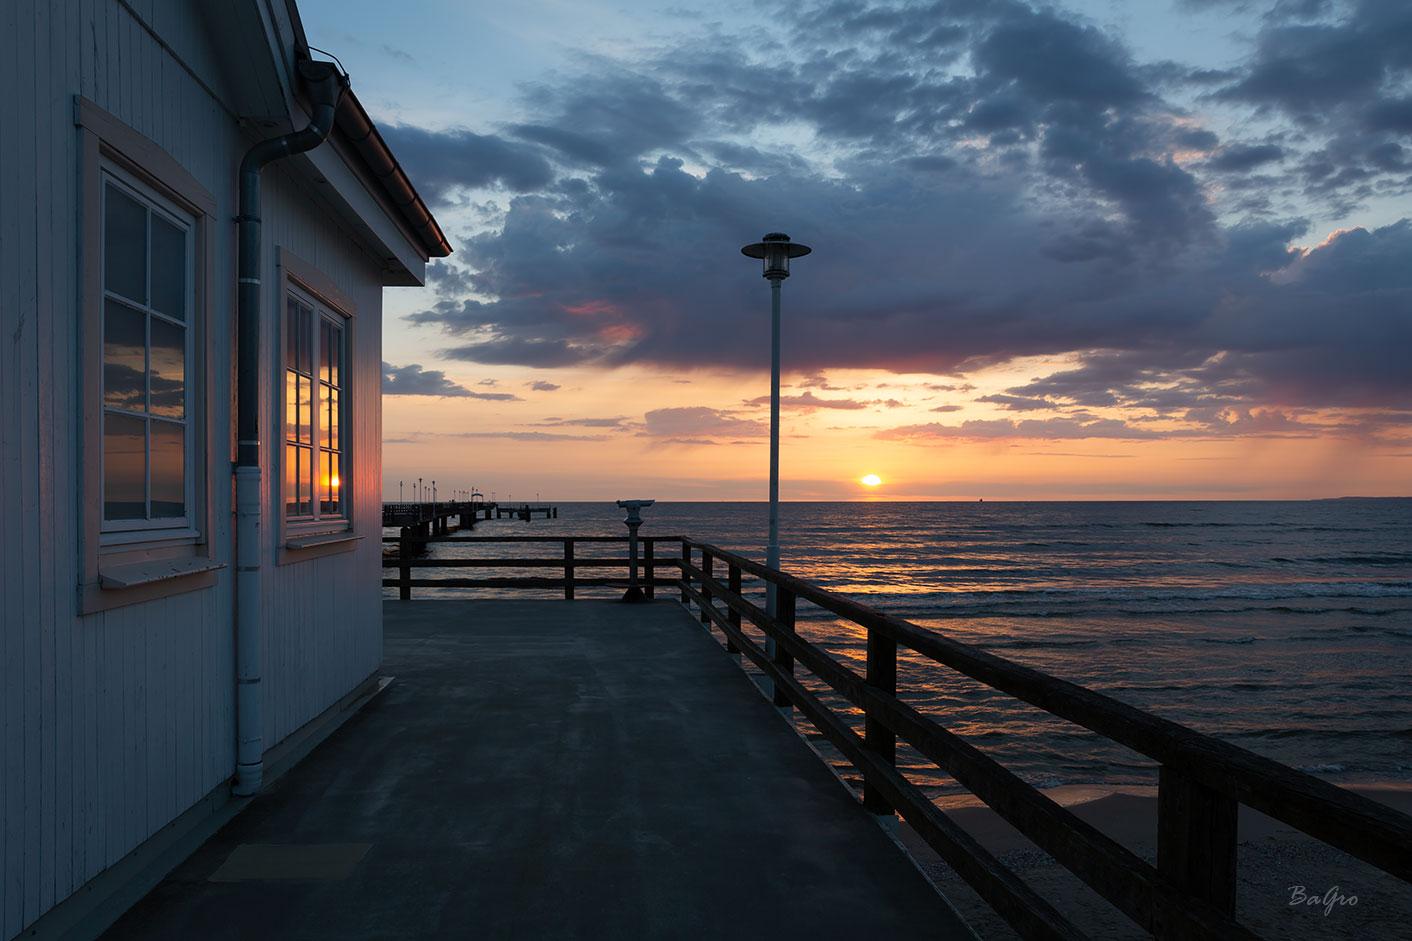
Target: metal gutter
(325, 87)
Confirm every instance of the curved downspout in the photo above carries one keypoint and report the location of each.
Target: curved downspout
(325, 87)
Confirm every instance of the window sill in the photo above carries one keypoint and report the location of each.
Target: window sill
(322, 539)
(149, 580)
(317, 545)
(149, 573)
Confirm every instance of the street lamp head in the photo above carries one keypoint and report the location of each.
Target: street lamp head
(776, 250)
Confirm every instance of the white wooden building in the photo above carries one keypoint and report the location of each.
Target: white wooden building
(123, 657)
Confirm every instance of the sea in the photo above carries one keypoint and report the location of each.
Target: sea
(1281, 627)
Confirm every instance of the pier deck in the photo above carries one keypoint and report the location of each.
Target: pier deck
(550, 769)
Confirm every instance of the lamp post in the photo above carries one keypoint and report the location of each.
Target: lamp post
(776, 250)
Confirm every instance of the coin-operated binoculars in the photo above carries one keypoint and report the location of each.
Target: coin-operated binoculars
(633, 521)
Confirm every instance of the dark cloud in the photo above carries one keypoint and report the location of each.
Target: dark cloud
(413, 380)
(539, 385)
(1342, 72)
(1243, 158)
(1012, 402)
(441, 162)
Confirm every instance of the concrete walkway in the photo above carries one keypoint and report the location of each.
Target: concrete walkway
(547, 770)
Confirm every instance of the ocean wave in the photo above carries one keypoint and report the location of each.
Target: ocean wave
(1142, 601)
(1392, 558)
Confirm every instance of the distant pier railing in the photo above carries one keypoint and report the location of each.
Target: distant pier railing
(1202, 781)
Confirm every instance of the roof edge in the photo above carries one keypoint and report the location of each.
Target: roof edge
(358, 129)
(362, 134)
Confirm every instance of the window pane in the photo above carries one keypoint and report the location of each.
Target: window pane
(291, 480)
(325, 483)
(291, 405)
(331, 419)
(306, 499)
(335, 486)
(335, 354)
(325, 349)
(168, 365)
(124, 467)
(306, 434)
(124, 245)
(305, 325)
(168, 470)
(124, 356)
(291, 333)
(323, 416)
(168, 268)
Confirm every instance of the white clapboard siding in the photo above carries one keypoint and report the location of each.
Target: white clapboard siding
(322, 617)
(114, 723)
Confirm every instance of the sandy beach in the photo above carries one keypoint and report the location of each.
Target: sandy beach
(1273, 860)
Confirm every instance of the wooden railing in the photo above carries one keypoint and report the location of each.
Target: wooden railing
(1190, 893)
(411, 555)
(1202, 780)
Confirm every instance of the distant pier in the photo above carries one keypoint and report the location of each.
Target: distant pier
(435, 519)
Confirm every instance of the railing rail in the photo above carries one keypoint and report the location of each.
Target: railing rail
(569, 562)
(1202, 780)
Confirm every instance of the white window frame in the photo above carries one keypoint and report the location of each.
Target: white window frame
(300, 537)
(118, 532)
(121, 565)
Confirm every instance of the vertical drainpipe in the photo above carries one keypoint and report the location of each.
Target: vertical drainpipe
(325, 88)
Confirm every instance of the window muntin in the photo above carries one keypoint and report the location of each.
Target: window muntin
(314, 359)
(147, 277)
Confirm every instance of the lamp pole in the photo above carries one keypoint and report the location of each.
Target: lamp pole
(776, 250)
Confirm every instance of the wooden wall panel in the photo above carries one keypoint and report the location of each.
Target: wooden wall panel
(113, 723)
(323, 617)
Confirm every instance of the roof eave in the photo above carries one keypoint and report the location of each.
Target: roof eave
(354, 125)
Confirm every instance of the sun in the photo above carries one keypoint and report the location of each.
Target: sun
(870, 480)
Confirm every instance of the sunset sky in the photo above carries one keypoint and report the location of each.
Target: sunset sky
(1103, 249)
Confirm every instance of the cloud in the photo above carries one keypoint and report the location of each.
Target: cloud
(441, 162)
(540, 385)
(699, 422)
(526, 436)
(809, 401)
(584, 422)
(413, 380)
(981, 182)
(1052, 428)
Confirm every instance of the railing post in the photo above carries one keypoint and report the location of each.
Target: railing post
(784, 617)
(733, 583)
(707, 564)
(568, 570)
(1196, 838)
(404, 568)
(882, 676)
(649, 585)
(685, 558)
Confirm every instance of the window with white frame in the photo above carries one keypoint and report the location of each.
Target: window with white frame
(147, 278)
(315, 358)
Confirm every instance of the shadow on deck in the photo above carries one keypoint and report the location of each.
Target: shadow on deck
(550, 769)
